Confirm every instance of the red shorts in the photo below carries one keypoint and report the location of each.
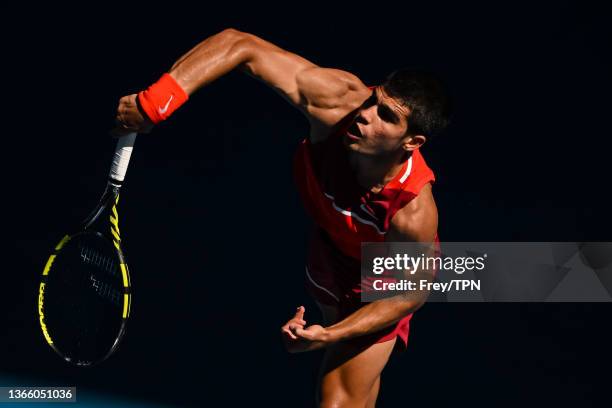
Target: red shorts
(334, 279)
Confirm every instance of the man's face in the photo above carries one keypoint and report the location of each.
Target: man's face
(380, 125)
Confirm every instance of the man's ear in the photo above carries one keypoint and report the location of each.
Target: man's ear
(413, 142)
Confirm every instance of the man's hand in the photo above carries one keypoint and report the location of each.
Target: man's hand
(299, 339)
(296, 322)
(130, 118)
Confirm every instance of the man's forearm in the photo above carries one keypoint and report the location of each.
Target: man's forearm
(211, 59)
(372, 317)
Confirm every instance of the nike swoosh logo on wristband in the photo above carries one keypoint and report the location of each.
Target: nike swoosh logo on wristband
(165, 108)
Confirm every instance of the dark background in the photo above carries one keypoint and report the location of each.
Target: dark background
(214, 230)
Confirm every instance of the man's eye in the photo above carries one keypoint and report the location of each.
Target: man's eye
(386, 115)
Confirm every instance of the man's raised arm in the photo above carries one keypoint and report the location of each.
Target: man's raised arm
(324, 95)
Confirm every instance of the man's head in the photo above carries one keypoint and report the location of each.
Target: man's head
(401, 114)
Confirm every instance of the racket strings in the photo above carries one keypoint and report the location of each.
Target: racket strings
(93, 257)
(107, 291)
(90, 256)
(84, 299)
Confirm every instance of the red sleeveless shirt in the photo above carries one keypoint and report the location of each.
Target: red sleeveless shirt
(339, 205)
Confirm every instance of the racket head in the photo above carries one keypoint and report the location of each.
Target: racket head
(84, 298)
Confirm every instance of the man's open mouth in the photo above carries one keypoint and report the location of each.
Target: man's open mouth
(353, 131)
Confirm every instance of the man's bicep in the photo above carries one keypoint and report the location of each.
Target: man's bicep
(324, 95)
(330, 94)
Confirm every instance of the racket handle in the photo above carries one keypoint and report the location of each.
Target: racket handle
(121, 158)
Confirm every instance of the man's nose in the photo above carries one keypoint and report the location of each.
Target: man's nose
(365, 115)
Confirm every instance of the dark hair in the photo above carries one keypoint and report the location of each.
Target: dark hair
(426, 97)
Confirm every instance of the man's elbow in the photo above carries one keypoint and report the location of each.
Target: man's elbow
(410, 303)
(241, 45)
(232, 33)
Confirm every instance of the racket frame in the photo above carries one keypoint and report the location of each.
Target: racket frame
(110, 198)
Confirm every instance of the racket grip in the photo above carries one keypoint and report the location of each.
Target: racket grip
(121, 158)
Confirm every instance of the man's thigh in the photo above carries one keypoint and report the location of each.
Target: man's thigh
(351, 372)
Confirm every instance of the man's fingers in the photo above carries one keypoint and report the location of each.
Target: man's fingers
(288, 333)
(294, 326)
(299, 314)
(298, 321)
(130, 118)
(305, 334)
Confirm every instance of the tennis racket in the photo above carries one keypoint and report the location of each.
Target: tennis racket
(84, 294)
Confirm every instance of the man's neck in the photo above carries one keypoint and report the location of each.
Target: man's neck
(374, 172)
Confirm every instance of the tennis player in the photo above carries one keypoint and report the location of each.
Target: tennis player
(361, 177)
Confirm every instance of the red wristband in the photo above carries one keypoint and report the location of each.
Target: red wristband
(162, 98)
